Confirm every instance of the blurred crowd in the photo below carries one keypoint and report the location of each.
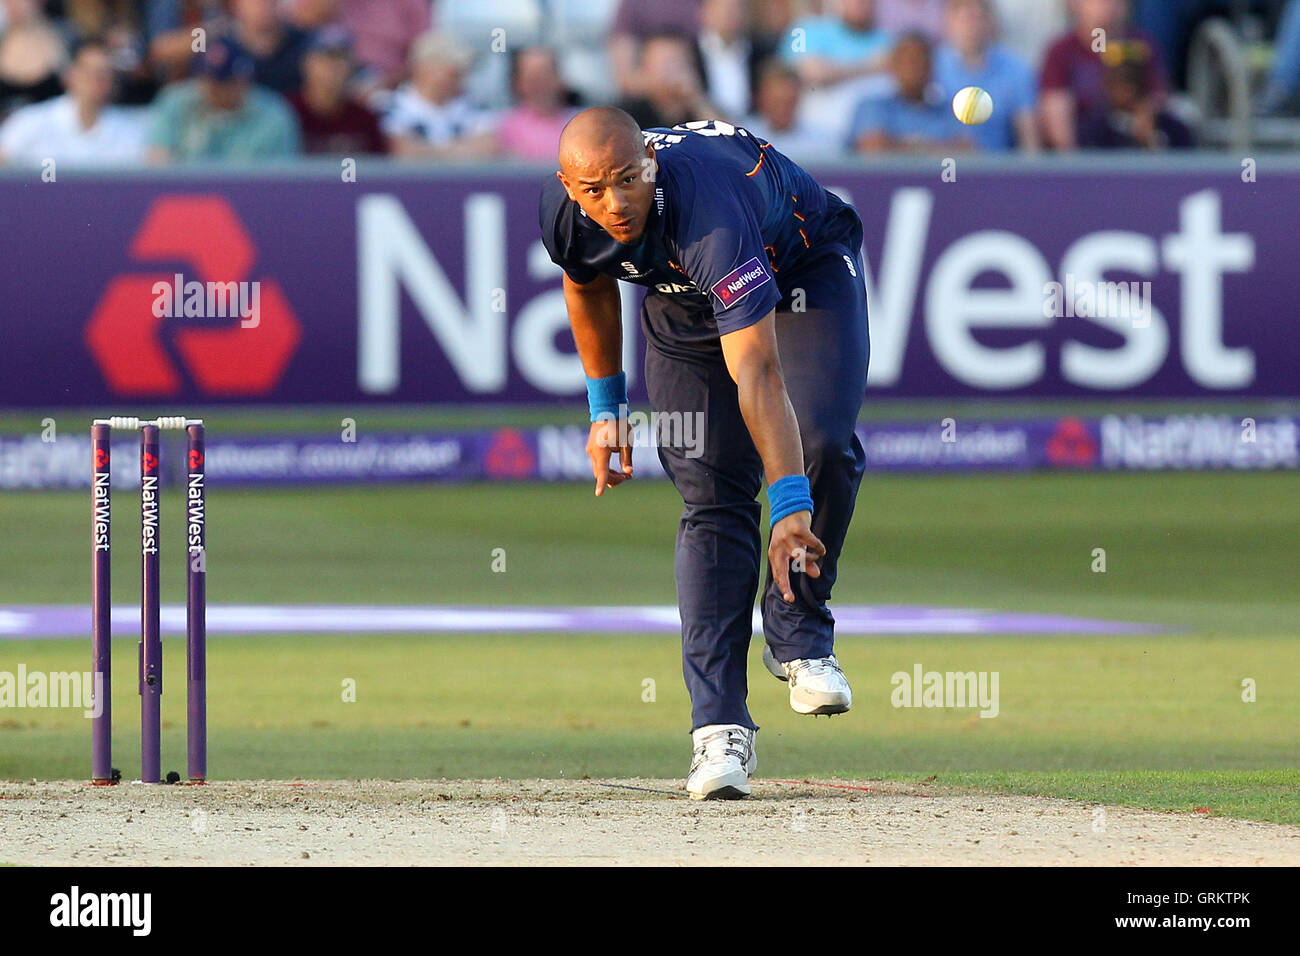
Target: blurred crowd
(160, 81)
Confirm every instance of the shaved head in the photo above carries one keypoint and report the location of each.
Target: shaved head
(597, 130)
(608, 170)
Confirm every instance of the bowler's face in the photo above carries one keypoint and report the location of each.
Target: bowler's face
(614, 187)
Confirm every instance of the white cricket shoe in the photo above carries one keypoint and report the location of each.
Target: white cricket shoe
(724, 758)
(817, 685)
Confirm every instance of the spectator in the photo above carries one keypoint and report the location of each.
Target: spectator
(772, 19)
(532, 129)
(1027, 27)
(79, 127)
(730, 54)
(634, 25)
(1074, 73)
(492, 30)
(276, 48)
(776, 116)
(332, 122)
(672, 90)
(912, 16)
(971, 58)
(311, 15)
(170, 27)
(88, 19)
(382, 33)
(909, 120)
(221, 114)
(1130, 120)
(117, 24)
(828, 50)
(1284, 79)
(430, 117)
(1171, 23)
(31, 55)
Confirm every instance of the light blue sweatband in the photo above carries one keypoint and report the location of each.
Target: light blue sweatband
(606, 395)
(788, 495)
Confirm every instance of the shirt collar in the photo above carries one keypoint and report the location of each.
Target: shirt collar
(65, 112)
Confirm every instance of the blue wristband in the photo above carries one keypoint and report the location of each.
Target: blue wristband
(605, 396)
(788, 495)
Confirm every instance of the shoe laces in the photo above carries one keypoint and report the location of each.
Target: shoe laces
(814, 667)
(721, 744)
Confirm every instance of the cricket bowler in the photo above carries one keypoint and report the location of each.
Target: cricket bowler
(755, 317)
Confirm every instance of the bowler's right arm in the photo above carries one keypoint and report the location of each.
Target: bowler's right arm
(596, 316)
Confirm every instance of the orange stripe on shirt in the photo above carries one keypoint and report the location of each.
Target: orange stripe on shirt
(759, 164)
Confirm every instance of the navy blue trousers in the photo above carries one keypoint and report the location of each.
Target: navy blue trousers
(824, 349)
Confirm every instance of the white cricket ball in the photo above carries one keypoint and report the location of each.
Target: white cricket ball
(972, 105)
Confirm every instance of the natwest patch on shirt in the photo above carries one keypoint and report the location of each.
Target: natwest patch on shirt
(734, 286)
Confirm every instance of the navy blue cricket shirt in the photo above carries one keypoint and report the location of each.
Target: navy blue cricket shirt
(731, 219)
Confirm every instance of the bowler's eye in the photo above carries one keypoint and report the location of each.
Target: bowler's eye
(592, 190)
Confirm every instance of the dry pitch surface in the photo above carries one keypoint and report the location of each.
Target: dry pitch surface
(601, 822)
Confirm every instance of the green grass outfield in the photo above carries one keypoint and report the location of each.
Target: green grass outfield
(1154, 721)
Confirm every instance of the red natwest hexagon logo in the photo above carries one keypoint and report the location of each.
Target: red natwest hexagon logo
(509, 456)
(125, 336)
(1072, 445)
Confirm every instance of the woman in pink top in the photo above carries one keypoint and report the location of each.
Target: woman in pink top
(531, 130)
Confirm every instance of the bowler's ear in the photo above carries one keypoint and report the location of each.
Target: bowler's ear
(560, 176)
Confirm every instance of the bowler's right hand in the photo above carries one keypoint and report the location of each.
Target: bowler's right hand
(602, 443)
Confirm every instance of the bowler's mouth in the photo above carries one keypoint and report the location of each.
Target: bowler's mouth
(623, 229)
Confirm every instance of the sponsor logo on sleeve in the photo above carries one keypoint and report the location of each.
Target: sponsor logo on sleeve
(734, 286)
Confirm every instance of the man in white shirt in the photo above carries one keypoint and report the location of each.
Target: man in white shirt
(430, 117)
(730, 55)
(776, 117)
(79, 128)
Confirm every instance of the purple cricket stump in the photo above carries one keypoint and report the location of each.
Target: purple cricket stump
(196, 605)
(150, 610)
(101, 604)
